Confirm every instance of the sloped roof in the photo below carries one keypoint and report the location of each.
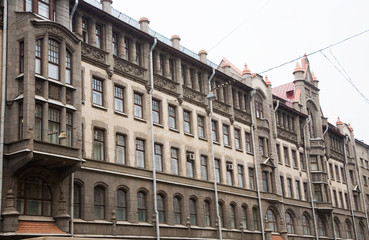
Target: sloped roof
(286, 92)
(226, 61)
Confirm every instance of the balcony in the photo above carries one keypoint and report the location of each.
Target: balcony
(319, 177)
(324, 207)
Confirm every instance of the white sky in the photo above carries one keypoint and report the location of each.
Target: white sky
(274, 32)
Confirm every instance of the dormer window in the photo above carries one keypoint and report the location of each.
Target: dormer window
(290, 94)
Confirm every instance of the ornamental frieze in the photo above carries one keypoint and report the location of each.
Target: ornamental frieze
(242, 116)
(126, 67)
(193, 95)
(39, 87)
(287, 135)
(54, 92)
(69, 96)
(93, 53)
(220, 106)
(164, 83)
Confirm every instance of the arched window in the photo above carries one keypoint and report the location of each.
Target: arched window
(259, 106)
(348, 230)
(161, 208)
(121, 205)
(306, 225)
(272, 221)
(141, 206)
(321, 227)
(68, 68)
(255, 218)
(76, 201)
(193, 217)
(177, 210)
(99, 202)
(289, 223)
(232, 215)
(244, 217)
(34, 197)
(53, 57)
(337, 231)
(206, 213)
(311, 124)
(361, 232)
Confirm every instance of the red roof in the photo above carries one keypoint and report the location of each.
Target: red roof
(286, 92)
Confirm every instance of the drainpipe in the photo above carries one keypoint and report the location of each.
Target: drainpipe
(275, 122)
(153, 143)
(256, 164)
(309, 180)
(72, 13)
(3, 92)
(361, 186)
(72, 205)
(211, 98)
(349, 187)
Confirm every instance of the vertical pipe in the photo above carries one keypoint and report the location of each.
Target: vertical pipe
(72, 205)
(212, 156)
(3, 92)
(152, 143)
(256, 164)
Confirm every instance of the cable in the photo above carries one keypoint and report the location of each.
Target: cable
(347, 77)
(312, 53)
(242, 23)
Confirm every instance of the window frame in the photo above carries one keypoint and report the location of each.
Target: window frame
(120, 149)
(119, 98)
(121, 204)
(187, 122)
(141, 207)
(54, 125)
(99, 142)
(97, 91)
(53, 54)
(225, 129)
(172, 117)
(99, 204)
(140, 153)
(156, 111)
(158, 154)
(201, 126)
(99, 35)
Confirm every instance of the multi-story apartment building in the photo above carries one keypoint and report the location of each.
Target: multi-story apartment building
(112, 131)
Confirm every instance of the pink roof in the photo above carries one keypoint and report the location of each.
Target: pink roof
(226, 61)
(281, 92)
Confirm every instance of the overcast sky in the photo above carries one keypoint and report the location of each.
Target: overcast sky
(271, 32)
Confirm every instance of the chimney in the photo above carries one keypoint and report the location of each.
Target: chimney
(175, 41)
(144, 24)
(203, 56)
(106, 5)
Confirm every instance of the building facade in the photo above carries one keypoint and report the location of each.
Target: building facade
(112, 131)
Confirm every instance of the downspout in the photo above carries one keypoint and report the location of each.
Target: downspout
(212, 155)
(361, 186)
(349, 187)
(72, 205)
(72, 13)
(153, 143)
(256, 164)
(3, 92)
(275, 122)
(310, 183)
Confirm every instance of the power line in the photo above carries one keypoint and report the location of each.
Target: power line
(314, 52)
(347, 77)
(242, 23)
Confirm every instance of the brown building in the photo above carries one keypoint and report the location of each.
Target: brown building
(112, 131)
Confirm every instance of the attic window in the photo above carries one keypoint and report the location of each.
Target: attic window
(290, 94)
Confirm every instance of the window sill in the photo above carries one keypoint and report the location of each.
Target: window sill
(174, 130)
(70, 86)
(189, 134)
(239, 150)
(251, 153)
(99, 107)
(158, 125)
(204, 139)
(140, 119)
(55, 81)
(296, 168)
(20, 76)
(216, 143)
(287, 165)
(228, 146)
(121, 113)
(38, 76)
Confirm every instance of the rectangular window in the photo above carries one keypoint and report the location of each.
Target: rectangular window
(306, 194)
(278, 154)
(337, 173)
(314, 163)
(302, 161)
(38, 57)
(204, 168)
(85, 30)
(289, 188)
(53, 57)
(175, 162)
(187, 121)
(38, 122)
(199, 82)
(248, 142)
(335, 203)
(265, 181)
(237, 140)
(201, 126)
(214, 130)
(121, 149)
(68, 68)
(294, 159)
(171, 69)
(298, 191)
(158, 157)
(126, 48)
(54, 125)
(240, 176)
(138, 54)
(114, 46)
(261, 146)
(138, 105)
(118, 99)
(162, 64)
(140, 153)
(21, 57)
(217, 170)
(97, 91)
(282, 185)
(340, 194)
(331, 171)
(229, 173)
(251, 178)
(343, 175)
(365, 181)
(98, 144)
(69, 128)
(172, 116)
(156, 111)
(226, 135)
(20, 120)
(352, 178)
(43, 8)
(28, 5)
(190, 167)
(98, 36)
(184, 73)
(286, 158)
(318, 193)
